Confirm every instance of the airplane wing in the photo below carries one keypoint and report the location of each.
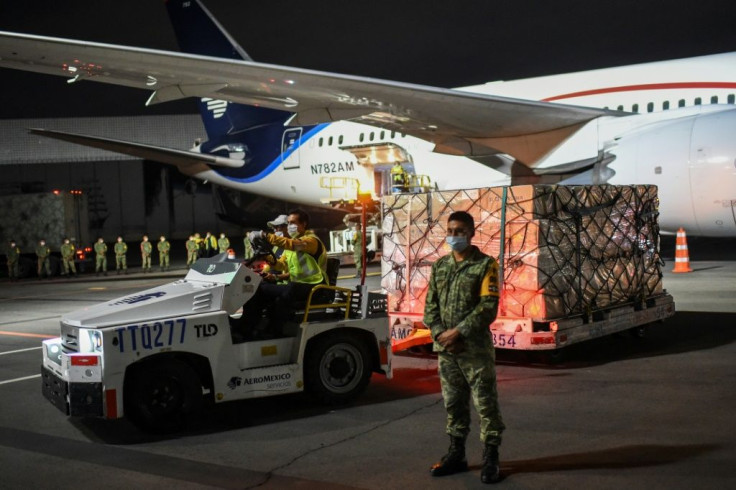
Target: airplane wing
(458, 122)
(172, 156)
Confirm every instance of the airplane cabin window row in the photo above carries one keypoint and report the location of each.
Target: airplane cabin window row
(730, 99)
(371, 137)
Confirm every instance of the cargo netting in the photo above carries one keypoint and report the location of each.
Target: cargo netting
(566, 249)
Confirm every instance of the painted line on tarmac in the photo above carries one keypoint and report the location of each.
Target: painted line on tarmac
(20, 379)
(23, 334)
(19, 350)
(30, 320)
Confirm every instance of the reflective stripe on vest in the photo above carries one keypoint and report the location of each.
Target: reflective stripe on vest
(304, 268)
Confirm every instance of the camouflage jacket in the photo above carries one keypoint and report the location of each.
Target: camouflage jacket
(13, 253)
(163, 247)
(43, 251)
(121, 248)
(146, 248)
(463, 295)
(67, 251)
(100, 248)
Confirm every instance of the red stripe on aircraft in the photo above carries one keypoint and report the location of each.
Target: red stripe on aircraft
(646, 86)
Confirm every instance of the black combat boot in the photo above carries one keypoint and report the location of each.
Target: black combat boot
(452, 462)
(491, 471)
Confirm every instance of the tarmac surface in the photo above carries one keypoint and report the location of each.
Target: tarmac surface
(617, 412)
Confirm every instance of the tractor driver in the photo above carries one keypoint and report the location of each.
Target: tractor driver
(305, 259)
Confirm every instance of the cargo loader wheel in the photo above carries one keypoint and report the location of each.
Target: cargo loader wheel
(163, 397)
(337, 369)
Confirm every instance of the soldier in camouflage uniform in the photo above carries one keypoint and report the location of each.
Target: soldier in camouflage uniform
(192, 250)
(223, 243)
(121, 261)
(146, 250)
(248, 248)
(163, 247)
(13, 254)
(42, 253)
(101, 256)
(67, 258)
(461, 303)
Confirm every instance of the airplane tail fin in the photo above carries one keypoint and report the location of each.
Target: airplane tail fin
(198, 32)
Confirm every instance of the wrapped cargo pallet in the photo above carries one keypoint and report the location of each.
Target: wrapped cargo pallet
(567, 250)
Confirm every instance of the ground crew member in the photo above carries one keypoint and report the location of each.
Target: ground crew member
(210, 244)
(192, 250)
(13, 255)
(223, 243)
(121, 249)
(305, 257)
(399, 179)
(163, 247)
(357, 242)
(461, 302)
(101, 257)
(67, 258)
(146, 250)
(42, 254)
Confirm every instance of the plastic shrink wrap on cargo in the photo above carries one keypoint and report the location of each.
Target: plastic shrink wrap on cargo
(566, 249)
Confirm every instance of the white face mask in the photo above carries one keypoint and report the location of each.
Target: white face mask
(293, 230)
(279, 233)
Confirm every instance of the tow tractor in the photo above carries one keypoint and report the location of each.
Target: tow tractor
(156, 357)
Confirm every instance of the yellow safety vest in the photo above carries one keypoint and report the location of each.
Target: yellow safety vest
(306, 268)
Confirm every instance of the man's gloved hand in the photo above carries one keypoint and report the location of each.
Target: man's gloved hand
(254, 236)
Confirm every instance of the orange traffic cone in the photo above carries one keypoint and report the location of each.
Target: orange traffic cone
(682, 257)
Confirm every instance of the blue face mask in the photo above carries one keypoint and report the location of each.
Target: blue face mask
(457, 243)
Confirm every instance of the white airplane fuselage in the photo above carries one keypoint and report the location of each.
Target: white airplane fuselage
(679, 136)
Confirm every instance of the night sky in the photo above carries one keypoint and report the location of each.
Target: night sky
(445, 44)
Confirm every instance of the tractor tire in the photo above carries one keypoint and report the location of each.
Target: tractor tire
(337, 368)
(163, 397)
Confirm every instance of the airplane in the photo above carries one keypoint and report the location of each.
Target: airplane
(297, 135)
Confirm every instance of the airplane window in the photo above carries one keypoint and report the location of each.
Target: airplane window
(681, 103)
(383, 135)
(714, 99)
(635, 108)
(393, 134)
(650, 107)
(731, 99)
(329, 141)
(320, 142)
(698, 101)
(362, 137)
(620, 108)
(658, 170)
(665, 105)
(339, 140)
(371, 136)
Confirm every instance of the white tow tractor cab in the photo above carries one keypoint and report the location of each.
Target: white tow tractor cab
(157, 356)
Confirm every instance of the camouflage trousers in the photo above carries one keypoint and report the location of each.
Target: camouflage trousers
(146, 258)
(121, 262)
(191, 257)
(101, 263)
(44, 264)
(69, 266)
(163, 260)
(465, 375)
